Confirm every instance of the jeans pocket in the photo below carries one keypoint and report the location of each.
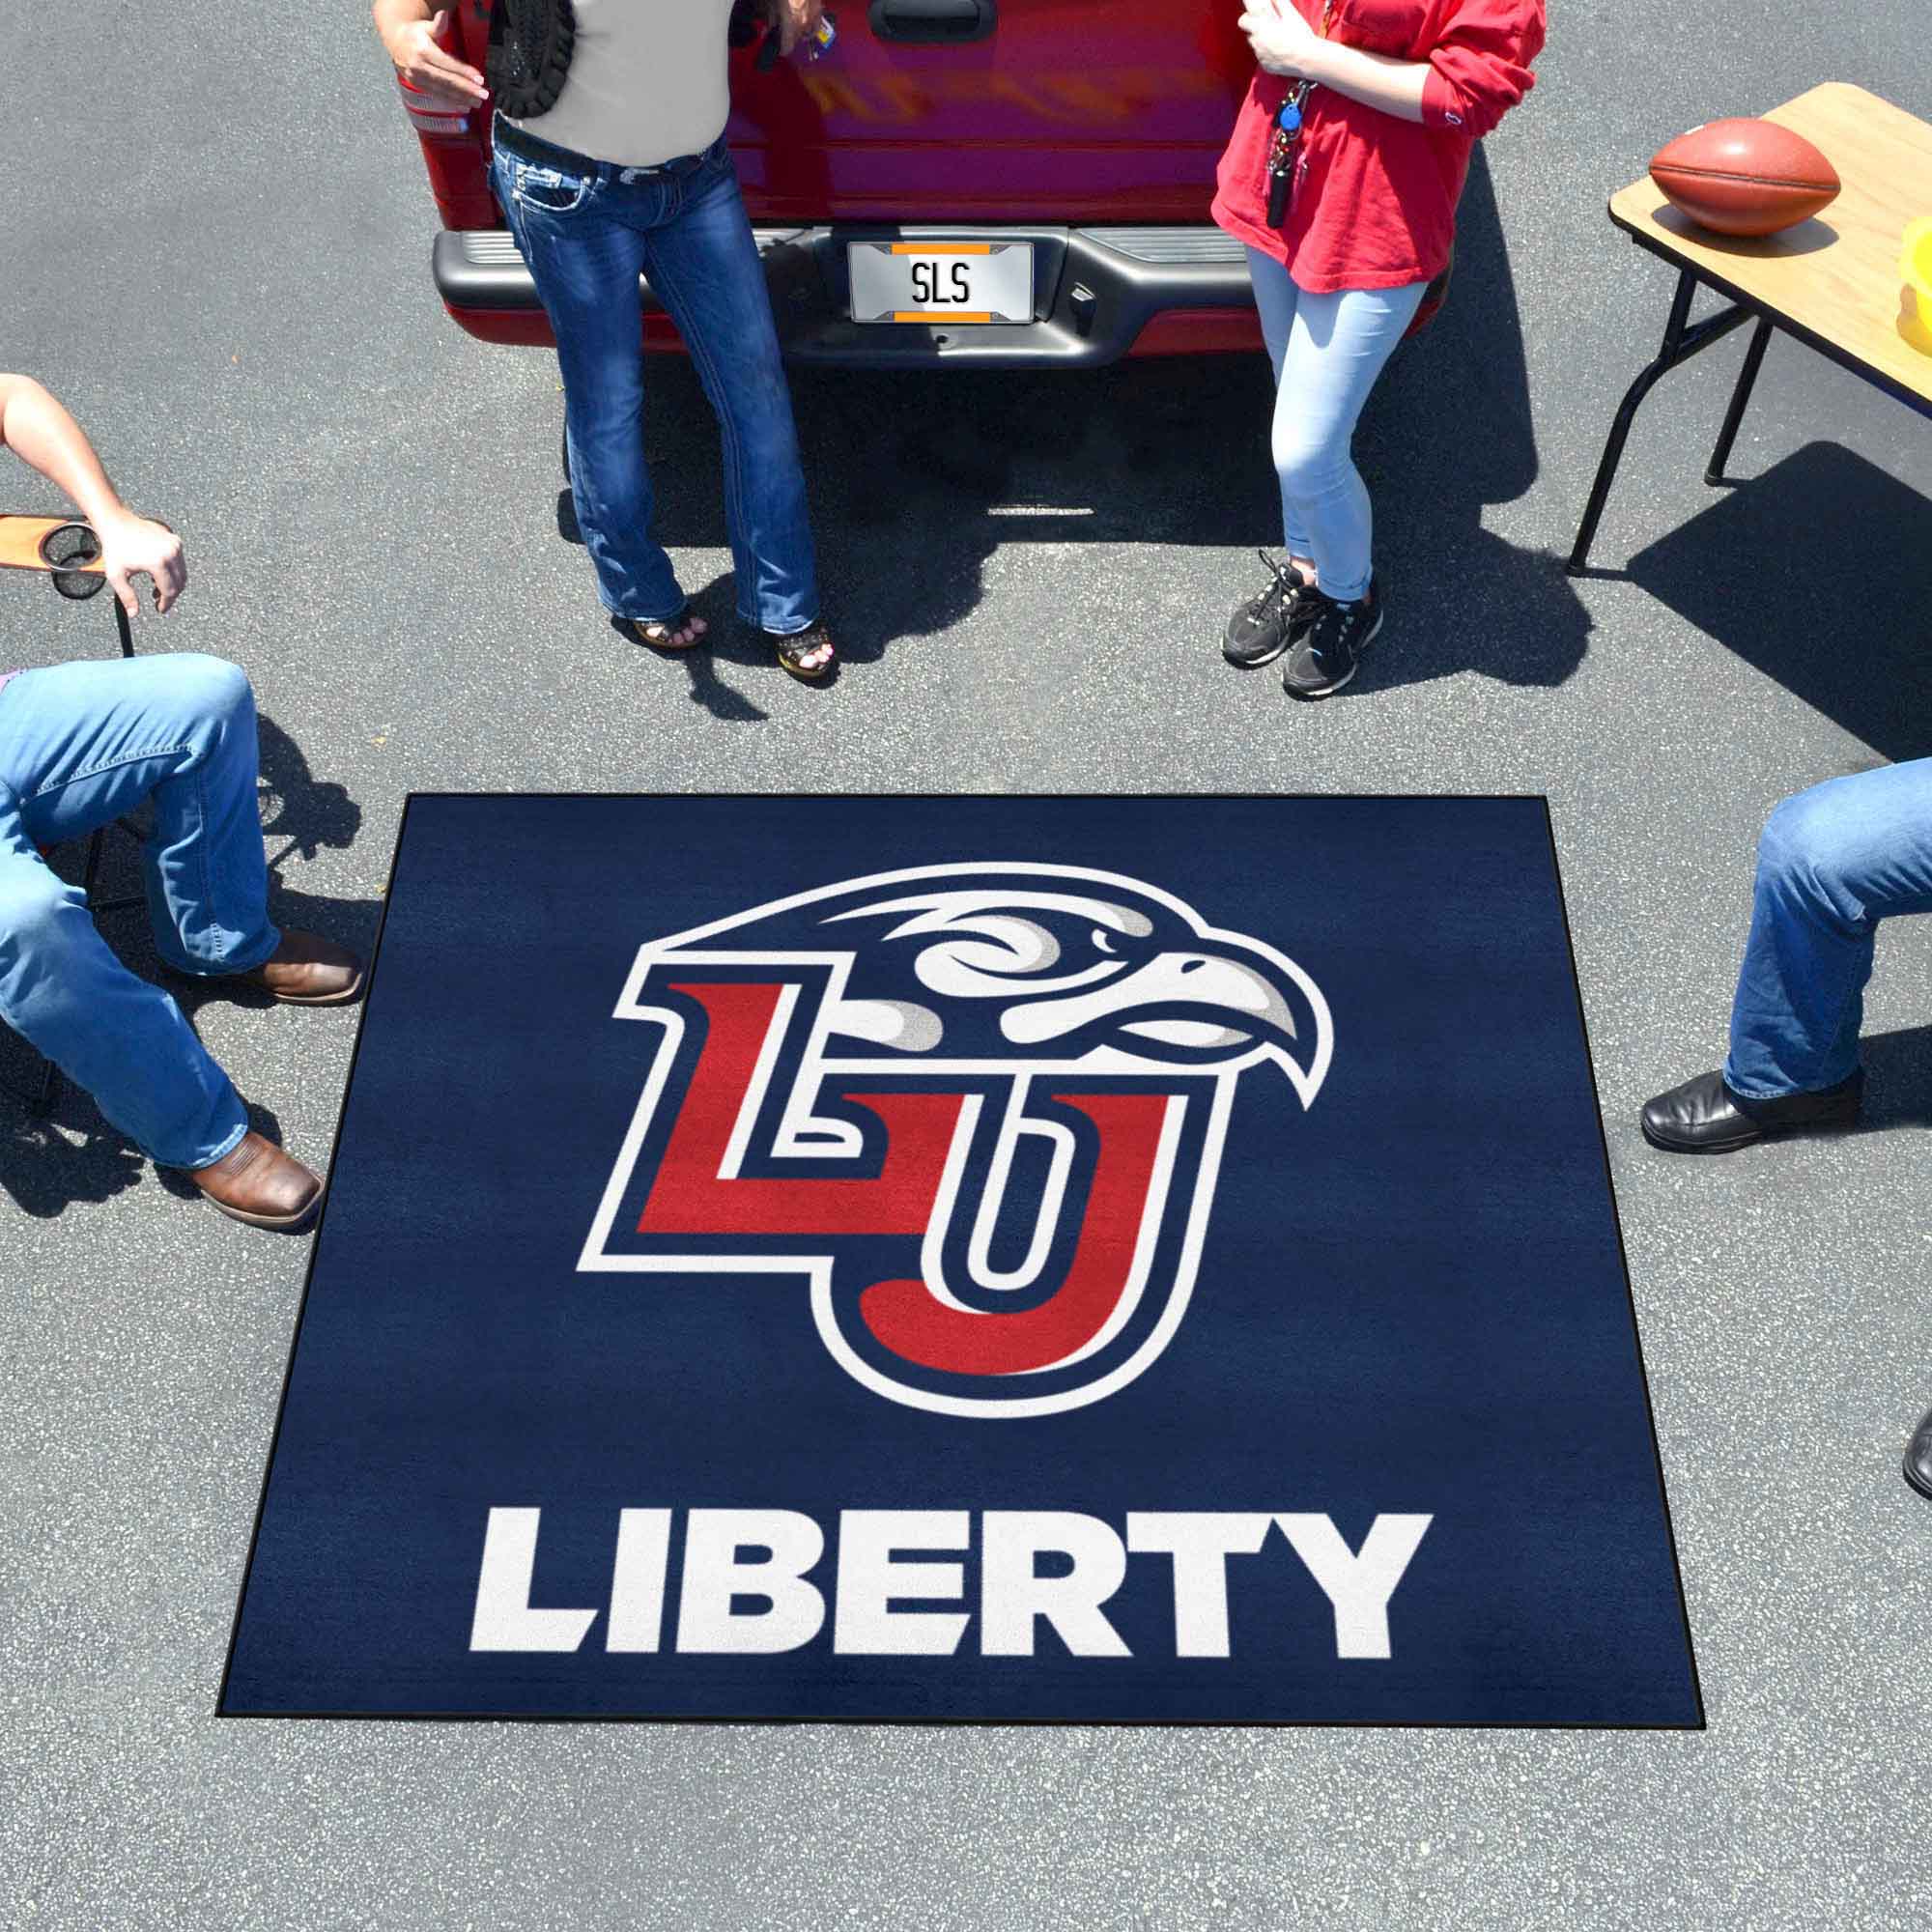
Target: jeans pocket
(548, 190)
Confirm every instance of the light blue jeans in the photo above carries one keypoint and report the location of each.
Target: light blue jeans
(1832, 863)
(80, 744)
(588, 232)
(1327, 351)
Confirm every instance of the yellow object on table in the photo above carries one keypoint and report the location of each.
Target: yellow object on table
(1914, 314)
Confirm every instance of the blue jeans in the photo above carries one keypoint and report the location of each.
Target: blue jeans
(587, 230)
(80, 744)
(1832, 863)
(1327, 351)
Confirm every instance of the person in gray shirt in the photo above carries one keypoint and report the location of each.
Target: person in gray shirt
(609, 162)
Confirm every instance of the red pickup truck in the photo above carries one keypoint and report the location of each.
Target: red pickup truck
(1014, 182)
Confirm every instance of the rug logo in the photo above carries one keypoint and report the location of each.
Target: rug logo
(979, 1109)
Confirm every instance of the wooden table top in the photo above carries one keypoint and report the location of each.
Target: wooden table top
(1836, 276)
(20, 540)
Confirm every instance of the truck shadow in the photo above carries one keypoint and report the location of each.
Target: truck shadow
(917, 478)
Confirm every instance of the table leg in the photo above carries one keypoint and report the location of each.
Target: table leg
(1740, 398)
(1680, 343)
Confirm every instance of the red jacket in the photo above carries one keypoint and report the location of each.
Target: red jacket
(1374, 205)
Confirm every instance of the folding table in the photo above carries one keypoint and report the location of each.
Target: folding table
(1833, 282)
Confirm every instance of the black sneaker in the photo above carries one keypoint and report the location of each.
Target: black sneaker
(1264, 626)
(1328, 653)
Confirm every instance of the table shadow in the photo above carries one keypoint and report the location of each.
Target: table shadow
(1814, 573)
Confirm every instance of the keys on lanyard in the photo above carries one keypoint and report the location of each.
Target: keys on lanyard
(1282, 149)
(1288, 138)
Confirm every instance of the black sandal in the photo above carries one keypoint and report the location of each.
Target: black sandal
(795, 648)
(657, 632)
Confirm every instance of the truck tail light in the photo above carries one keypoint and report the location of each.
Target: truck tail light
(437, 120)
(429, 117)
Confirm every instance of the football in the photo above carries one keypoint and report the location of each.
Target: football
(1742, 177)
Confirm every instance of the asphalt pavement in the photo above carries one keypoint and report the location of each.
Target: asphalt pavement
(214, 248)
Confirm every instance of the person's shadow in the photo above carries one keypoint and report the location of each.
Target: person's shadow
(1446, 433)
(1899, 1079)
(49, 1162)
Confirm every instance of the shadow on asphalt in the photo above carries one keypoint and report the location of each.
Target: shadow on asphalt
(303, 810)
(1899, 1079)
(48, 1163)
(1447, 434)
(1814, 573)
(917, 478)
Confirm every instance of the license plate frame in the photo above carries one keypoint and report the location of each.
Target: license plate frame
(963, 283)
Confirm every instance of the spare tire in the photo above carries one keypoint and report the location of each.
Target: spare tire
(530, 45)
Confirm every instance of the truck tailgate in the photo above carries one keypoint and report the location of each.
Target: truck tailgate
(1064, 110)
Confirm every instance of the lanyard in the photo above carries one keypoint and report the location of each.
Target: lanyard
(1282, 146)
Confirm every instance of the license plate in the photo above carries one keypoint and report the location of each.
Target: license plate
(941, 281)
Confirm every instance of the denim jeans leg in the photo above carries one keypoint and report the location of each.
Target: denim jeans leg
(1333, 349)
(1275, 295)
(85, 743)
(116, 1036)
(1832, 863)
(585, 263)
(705, 265)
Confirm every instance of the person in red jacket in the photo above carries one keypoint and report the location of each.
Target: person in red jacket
(1342, 177)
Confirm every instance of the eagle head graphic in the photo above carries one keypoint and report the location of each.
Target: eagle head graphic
(1015, 963)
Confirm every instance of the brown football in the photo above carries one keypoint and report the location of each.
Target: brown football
(1744, 177)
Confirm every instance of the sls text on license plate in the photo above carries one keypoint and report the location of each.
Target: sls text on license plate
(941, 281)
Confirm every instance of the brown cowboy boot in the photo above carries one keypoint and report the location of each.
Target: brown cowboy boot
(307, 970)
(258, 1184)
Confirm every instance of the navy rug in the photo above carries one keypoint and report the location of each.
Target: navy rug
(1025, 1258)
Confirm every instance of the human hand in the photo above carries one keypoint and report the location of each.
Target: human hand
(1283, 41)
(131, 547)
(434, 72)
(795, 20)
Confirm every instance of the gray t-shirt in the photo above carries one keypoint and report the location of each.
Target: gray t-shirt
(648, 82)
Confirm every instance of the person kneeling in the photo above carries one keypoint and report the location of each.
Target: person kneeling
(83, 743)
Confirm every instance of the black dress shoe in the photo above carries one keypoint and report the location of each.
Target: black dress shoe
(1703, 1115)
(1918, 1455)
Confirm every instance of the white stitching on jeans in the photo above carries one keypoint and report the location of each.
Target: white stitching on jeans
(110, 766)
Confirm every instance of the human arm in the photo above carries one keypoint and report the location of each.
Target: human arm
(794, 20)
(42, 434)
(408, 30)
(1285, 44)
(1477, 71)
